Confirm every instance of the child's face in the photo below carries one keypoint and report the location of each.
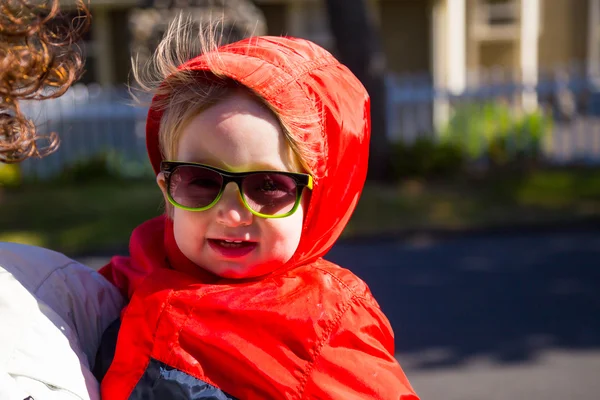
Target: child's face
(237, 134)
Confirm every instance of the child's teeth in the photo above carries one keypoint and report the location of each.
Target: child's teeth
(231, 243)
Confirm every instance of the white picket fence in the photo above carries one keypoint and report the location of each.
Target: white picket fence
(572, 103)
(90, 120)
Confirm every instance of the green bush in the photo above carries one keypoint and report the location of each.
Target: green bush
(108, 165)
(10, 175)
(94, 168)
(427, 157)
(530, 131)
(129, 168)
(494, 132)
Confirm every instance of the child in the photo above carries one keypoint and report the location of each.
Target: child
(260, 149)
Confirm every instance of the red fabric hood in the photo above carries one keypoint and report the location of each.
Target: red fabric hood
(297, 75)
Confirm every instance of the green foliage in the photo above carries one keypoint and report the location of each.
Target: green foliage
(530, 132)
(104, 166)
(490, 132)
(87, 217)
(427, 157)
(95, 168)
(494, 132)
(129, 168)
(10, 175)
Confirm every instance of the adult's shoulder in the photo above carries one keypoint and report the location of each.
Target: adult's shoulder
(32, 265)
(65, 289)
(46, 343)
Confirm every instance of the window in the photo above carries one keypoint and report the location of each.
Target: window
(496, 20)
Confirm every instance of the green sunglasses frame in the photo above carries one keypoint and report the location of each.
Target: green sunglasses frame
(302, 181)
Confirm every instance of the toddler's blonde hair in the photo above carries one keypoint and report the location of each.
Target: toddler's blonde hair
(184, 94)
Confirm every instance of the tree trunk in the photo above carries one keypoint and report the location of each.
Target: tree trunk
(359, 47)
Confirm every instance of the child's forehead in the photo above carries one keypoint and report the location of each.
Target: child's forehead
(235, 162)
(238, 102)
(236, 134)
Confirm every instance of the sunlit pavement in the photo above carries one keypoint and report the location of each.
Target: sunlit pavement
(494, 316)
(553, 375)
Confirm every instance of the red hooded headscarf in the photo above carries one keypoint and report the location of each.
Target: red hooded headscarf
(296, 76)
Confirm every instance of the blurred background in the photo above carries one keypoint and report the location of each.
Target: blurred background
(479, 227)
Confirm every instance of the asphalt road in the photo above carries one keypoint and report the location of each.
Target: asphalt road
(500, 316)
(489, 317)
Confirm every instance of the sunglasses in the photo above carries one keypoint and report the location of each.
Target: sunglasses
(267, 194)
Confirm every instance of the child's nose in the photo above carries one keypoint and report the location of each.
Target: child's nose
(231, 210)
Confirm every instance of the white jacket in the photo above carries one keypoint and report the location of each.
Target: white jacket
(53, 312)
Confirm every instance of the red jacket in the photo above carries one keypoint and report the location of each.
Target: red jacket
(311, 330)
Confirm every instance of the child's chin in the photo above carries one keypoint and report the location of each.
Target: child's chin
(241, 271)
(230, 270)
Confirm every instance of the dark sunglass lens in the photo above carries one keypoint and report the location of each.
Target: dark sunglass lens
(194, 186)
(270, 193)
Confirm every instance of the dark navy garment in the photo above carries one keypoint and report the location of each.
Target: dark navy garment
(106, 351)
(159, 382)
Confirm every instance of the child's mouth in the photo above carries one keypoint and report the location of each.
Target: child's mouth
(232, 248)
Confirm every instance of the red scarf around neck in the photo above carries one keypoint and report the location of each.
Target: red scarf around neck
(152, 245)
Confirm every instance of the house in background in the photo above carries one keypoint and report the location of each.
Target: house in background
(474, 42)
(456, 40)
(450, 45)
(106, 44)
(115, 23)
(455, 45)
(453, 41)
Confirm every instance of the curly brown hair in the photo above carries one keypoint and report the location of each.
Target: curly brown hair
(39, 59)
